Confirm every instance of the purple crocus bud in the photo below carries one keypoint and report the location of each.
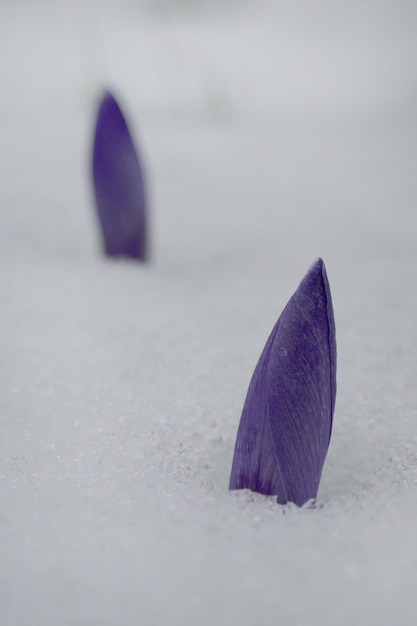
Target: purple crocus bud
(118, 184)
(286, 423)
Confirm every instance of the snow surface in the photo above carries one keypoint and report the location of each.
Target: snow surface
(272, 133)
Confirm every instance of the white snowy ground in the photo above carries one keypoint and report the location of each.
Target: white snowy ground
(273, 132)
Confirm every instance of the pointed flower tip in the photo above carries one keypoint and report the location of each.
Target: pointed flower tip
(109, 108)
(119, 185)
(106, 97)
(286, 422)
(107, 94)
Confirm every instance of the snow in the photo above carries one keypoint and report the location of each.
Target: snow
(272, 134)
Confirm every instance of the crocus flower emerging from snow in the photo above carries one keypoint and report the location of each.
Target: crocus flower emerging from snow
(118, 184)
(286, 423)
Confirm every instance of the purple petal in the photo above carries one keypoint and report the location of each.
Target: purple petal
(118, 184)
(285, 428)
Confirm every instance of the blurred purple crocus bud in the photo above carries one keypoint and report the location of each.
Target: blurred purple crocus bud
(118, 184)
(285, 428)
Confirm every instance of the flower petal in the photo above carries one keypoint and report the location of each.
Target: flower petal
(118, 184)
(285, 428)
